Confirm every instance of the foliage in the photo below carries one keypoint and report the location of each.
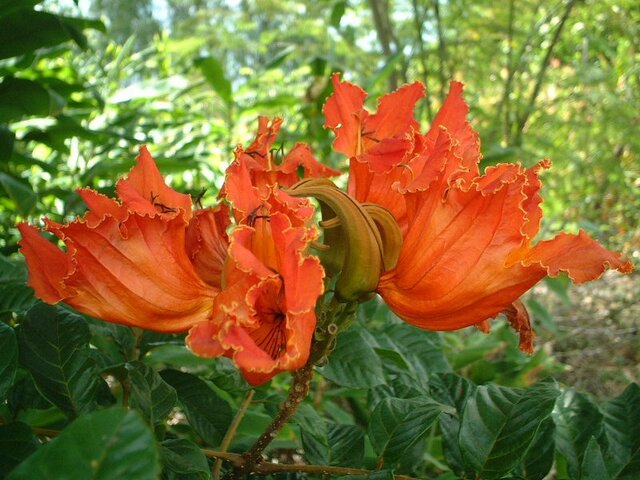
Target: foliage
(90, 400)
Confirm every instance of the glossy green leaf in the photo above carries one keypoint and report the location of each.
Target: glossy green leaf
(622, 430)
(499, 424)
(21, 98)
(17, 442)
(20, 191)
(452, 390)
(354, 363)
(8, 359)
(539, 458)
(328, 443)
(593, 466)
(397, 424)
(54, 348)
(577, 419)
(181, 457)
(336, 14)
(16, 297)
(150, 394)
(207, 412)
(111, 444)
(213, 71)
(7, 139)
(25, 31)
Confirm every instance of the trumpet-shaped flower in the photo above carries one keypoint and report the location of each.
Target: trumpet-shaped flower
(468, 249)
(264, 318)
(125, 262)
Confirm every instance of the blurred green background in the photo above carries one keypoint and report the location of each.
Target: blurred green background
(83, 84)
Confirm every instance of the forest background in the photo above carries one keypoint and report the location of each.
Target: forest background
(544, 79)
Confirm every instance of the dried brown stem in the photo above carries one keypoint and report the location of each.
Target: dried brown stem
(297, 393)
(226, 441)
(266, 468)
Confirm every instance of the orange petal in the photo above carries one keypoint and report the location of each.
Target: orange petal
(145, 191)
(344, 114)
(135, 273)
(48, 265)
(532, 203)
(266, 136)
(100, 206)
(579, 256)
(451, 272)
(207, 242)
(453, 116)
(202, 340)
(239, 188)
(518, 317)
(395, 112)
(302, 156)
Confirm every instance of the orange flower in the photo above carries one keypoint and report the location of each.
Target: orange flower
(262, 166)
(265, 315)
(468, 251)
(126, 261)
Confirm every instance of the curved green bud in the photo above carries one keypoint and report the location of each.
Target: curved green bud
(355, 244)
(389, 232)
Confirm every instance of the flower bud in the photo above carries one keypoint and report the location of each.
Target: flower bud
(355, 244)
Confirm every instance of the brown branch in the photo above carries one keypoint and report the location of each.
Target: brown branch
(541, 73)
(297, 393)
(228, 437)
(237, 461)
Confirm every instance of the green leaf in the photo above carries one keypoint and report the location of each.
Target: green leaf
(336, 14)
(150, 394)
(54, 348)
(7, 139)
(328, 443)
(8, 359)
(542, 314)
(560, 286)
(110, 444)
(183, 457)
(346, 445)
(577, 419)
(206, 411)
(17, 442)
(25, 31)
(16, 297)
(453, 390)
(539, 458)
(622, 430)
(22, 98)
(20, 192)
(421, 350)
(213, 71)
(397, 424)
(593, 466)
(354, 363)
(499, 424)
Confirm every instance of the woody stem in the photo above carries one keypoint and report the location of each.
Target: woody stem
(297, 393)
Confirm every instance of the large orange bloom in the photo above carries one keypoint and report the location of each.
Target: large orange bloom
(264, 318)
(125, 262)
(148, 260)
(468, 251)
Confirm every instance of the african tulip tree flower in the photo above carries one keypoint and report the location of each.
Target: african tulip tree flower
(126, 261)
(149, 260)
(468, 249)
(265, 319)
